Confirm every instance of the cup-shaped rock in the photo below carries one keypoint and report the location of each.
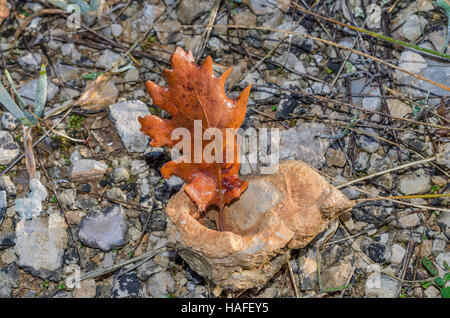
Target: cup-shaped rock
(277, 213)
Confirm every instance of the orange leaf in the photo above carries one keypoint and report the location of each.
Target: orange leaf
(194, 93)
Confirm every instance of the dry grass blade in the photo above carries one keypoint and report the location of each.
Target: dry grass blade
(29, 154)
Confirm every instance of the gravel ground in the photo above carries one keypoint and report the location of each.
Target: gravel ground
(99, 199)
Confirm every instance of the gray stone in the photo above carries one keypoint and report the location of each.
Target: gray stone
(263, 93)
(372, 103)
(131, 75)
(75, 156)
(3, 205)
(262, 7)
(9, 276)
(437, 71)
(168, 31)
(437, 38)
(348, 42)
(438, 247)
(87, 169)
(439, 260)
(350, 193)
(30, 61)
(66, 73)
(116, 194)
(5, 292)
(417, 182)
(138, 166)
(68, 93)
(289, 60)
(272, 39)
(30, 206)
(28, 91)
(144, 188)
(40, 245)
(9, 122)
(443, 221)
(412, 62)
(362, 162)
(108, 259)
(134, 234)
(148, 269)
(107, 59)
(413, 28)
(444, 155)
(367, 143)
(116, 29)
(67, 199)
(319, 88)
(189, 10)
(67, 48)
(125, 117)
(9, 149)
(302, 142)
(105, 230)
(148, 16)
(6, 240)
(285, 108)
(379, 163)
(8, 256)
(86, 202)
(160, 285)
(199, 291)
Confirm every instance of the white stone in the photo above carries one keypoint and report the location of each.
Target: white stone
(30, 206)
(30, 61)
(40, 245)
(378, 285)
(397, 252)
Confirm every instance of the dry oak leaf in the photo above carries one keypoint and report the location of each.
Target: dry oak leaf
(194, 94)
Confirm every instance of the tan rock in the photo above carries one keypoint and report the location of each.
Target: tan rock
(277, 212)
(335, 157)
(74, 217)
(86, 289)
(398, 108)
